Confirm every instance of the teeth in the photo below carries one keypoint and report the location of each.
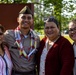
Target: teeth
(25, 23)
(49, 33)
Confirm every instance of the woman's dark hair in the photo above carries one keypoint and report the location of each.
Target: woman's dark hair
(2, 28)
(3, 43)
(52, 19)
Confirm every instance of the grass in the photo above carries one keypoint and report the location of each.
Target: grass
(66, 36)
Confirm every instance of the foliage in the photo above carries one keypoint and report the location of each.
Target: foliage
(13, 1)
(49, 8)
(57, 8)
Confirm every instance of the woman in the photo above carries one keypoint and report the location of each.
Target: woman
(55, 55)
(72, 34)
(5, 60)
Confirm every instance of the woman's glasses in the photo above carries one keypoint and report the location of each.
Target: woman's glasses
(72, 29)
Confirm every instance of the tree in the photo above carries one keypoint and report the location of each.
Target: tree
(57, 8)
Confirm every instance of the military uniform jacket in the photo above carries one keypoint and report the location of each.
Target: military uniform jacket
(20, 63)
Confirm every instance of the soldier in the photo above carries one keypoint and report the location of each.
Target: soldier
(23, 42)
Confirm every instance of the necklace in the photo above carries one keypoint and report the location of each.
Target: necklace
(20, 45)
(49, 44)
